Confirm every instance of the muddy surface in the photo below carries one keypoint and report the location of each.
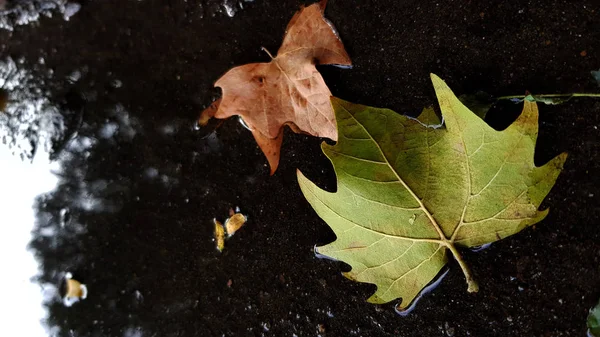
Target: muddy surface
(110, 91)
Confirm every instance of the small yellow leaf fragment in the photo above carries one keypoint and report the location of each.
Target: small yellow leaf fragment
(75, 291)
(219, 235)
(234, 223)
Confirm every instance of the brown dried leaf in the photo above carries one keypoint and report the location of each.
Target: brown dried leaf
(288, 90)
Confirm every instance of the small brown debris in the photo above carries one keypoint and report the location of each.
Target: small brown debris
(583, 53)
(3, 99)
(229, 283)
(321, 328)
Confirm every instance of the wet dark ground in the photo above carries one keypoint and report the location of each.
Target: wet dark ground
(131, 216)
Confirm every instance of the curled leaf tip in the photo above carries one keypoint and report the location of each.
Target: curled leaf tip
(323, 4)
(208, 113)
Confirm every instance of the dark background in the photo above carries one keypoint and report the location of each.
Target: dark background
(133, 212)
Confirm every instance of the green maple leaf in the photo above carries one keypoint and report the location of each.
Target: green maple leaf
(409, 194)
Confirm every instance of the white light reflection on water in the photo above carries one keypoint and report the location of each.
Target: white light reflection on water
(27, 126)
(23, 12)
(21, 308)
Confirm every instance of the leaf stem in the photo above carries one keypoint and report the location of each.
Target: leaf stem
(576, 94)
(473, 287)
(266, 51)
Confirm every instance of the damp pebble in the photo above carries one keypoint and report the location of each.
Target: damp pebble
(449, 330)
(321, 328)
(116, 83)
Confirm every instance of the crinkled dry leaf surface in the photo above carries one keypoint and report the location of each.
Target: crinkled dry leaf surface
(409, 194)
(288, 90)
(234, 223)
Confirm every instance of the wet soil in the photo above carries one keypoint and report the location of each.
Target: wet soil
(133, 211)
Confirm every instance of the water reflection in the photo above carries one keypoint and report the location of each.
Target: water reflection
(28, 123)
(90, 190)
(21, 12)
(50, 147)
(21, 298)
(28, 117)
(119, 218)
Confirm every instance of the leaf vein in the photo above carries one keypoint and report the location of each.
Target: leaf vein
(412, 269)
(388, 262)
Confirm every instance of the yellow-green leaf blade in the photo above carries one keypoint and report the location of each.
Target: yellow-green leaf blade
(410, 190)
(394, 263)
(505, 188)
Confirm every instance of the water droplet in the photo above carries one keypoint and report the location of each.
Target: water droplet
(151, 173)
(74, 76)
(482, 247)
(244, 123)
(449, 330)
(71, 9)
(321, 256)
(229, 7)
(65, 216)
(116, 84)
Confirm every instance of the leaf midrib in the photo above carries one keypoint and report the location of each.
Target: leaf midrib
(293, 84)
(443, 239)
(373, 230)
(462, 221)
